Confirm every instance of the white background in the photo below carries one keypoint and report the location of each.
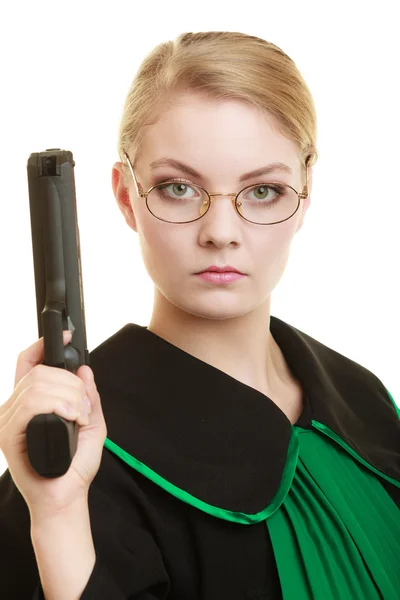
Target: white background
(65, 72)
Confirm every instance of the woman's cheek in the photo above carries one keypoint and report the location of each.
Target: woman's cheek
(159, 255)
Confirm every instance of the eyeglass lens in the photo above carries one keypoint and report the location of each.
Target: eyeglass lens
(262, 203)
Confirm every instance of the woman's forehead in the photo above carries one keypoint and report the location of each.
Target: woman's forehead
(203, 139)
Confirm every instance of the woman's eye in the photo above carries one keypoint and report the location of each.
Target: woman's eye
(267, 192)
(178, 189)
(261, 192)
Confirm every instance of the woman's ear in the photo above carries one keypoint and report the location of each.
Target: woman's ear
(121, 193)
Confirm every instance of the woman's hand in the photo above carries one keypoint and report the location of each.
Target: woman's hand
(42, 389)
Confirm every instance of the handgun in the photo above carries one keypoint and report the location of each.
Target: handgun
(51, 440)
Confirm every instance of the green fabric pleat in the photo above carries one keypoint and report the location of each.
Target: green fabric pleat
(337, 534)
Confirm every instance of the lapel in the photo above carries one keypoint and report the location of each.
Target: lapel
(218, 443)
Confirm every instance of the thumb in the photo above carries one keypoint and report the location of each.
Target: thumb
(85, 373)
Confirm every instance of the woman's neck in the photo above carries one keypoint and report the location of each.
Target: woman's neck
(242, 347)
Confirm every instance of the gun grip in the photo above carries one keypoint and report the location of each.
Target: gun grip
(52, 440)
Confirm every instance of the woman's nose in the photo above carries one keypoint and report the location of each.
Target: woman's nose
(218, 204)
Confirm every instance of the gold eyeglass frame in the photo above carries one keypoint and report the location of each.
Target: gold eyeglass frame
(301, 196)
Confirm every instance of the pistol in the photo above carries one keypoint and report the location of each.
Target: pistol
(51, 440)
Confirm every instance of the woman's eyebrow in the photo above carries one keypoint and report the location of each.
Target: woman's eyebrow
(266, 170)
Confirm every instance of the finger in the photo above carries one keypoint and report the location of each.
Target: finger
(37, 391)
(59, 403)
(32, 356)
(96, 416)
(85, 374)
(15, 422)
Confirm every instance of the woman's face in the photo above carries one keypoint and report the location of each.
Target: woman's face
(221, 140)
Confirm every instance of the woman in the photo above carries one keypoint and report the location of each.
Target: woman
(243, 458)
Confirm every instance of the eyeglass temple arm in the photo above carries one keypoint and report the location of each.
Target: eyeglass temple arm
(139, 193)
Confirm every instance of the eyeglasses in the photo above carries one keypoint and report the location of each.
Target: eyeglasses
(175, 207)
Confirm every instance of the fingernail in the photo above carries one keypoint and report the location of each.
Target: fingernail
(87, 404)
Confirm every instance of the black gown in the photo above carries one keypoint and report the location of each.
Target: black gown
(206, 491)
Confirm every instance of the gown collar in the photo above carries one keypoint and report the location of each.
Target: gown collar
(221, 441)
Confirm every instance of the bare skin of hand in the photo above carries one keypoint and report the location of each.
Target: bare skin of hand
(42, 389)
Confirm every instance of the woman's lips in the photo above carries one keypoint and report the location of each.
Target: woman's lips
(215, 277)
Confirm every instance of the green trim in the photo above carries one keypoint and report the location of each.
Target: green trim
(328, 432)
(215, 511)
(279, 498)
(397, 408)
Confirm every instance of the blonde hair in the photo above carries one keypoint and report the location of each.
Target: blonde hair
(220, 65)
